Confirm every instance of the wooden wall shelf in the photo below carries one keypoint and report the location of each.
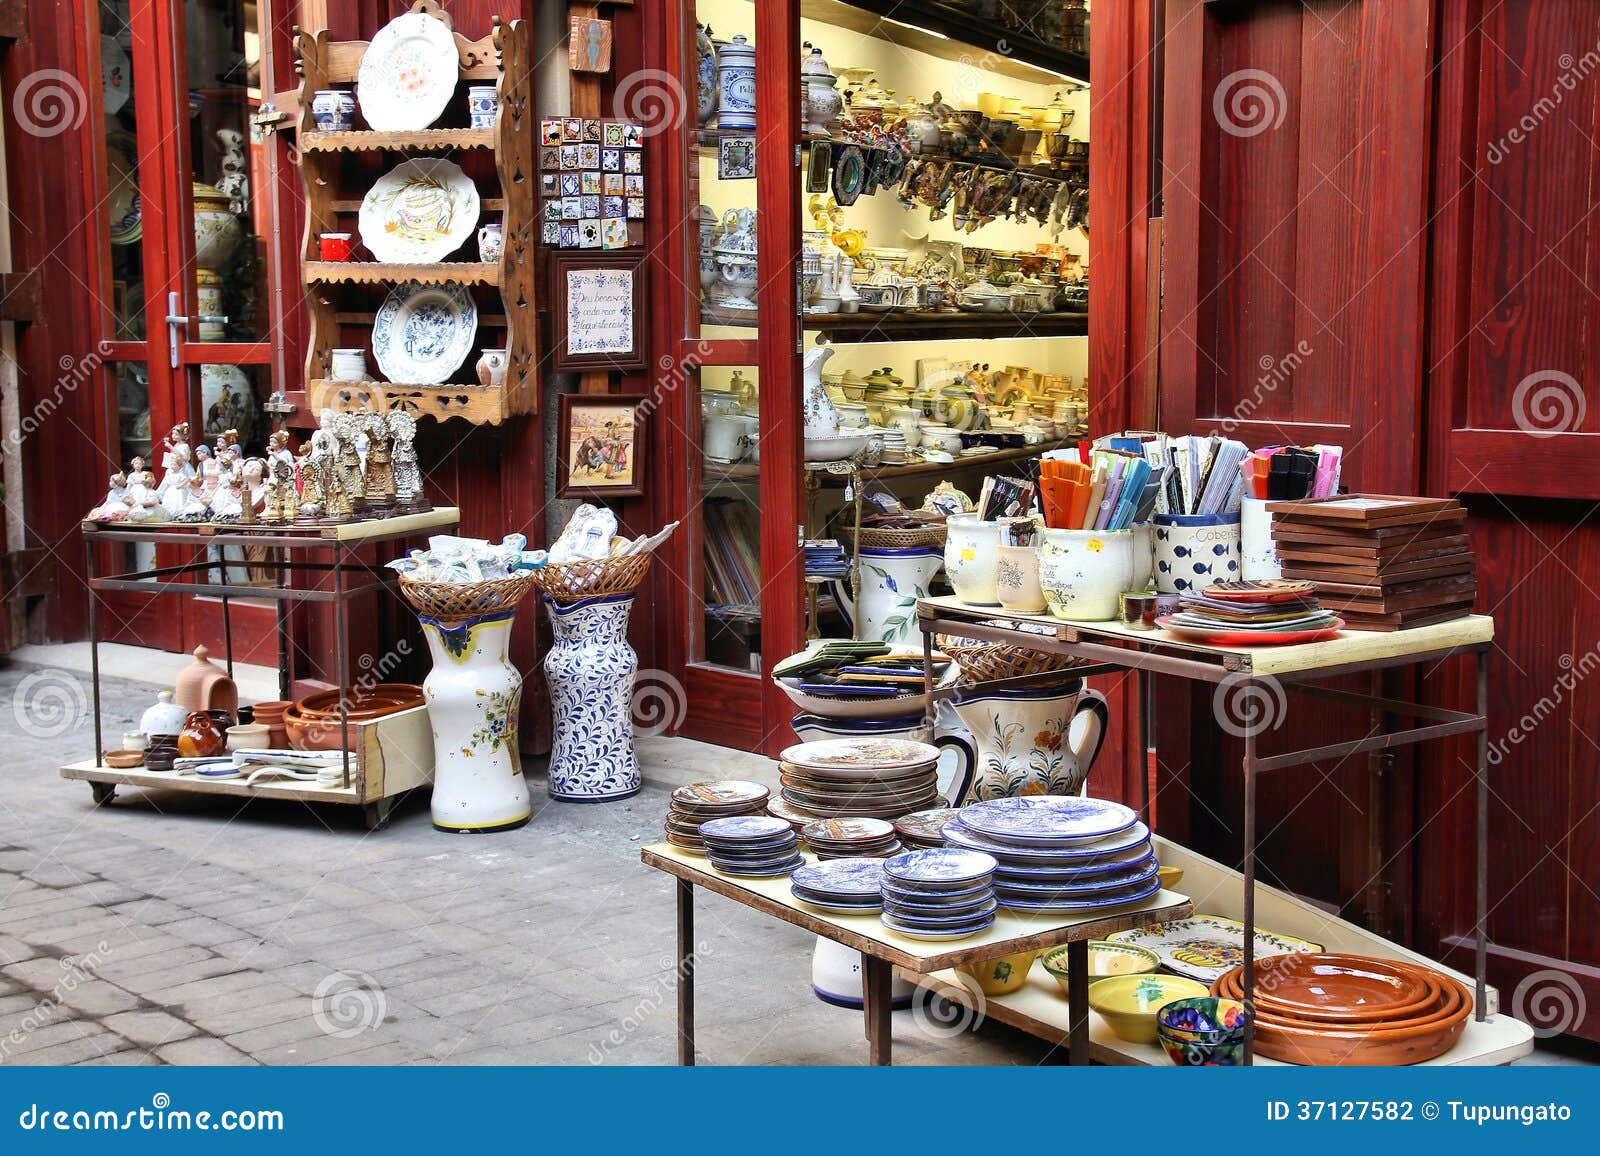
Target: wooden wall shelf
(346, 292)
(866, 327)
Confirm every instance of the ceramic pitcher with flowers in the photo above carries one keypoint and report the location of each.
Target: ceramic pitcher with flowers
(1032, 741)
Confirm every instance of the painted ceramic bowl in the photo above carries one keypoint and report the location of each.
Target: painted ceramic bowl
(1170, 876)
(1226, 1052)
(1001, 976)
(1106, 960)
(1129, 1003)
(1202, 1019)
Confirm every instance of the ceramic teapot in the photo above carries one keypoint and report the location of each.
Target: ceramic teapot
(892, 582)
(1031, 741)
(821, 419)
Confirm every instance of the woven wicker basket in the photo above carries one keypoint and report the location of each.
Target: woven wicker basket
(872, 538)
(993, 661)
(455, 602)
(592, 578)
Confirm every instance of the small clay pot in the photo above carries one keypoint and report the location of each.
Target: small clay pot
(201, 737)
(158, 755)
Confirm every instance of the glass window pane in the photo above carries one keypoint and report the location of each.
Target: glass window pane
(729, 485)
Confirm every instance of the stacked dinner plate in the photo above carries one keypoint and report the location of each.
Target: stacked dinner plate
(754, 845)
(858, 778)
(841, 886)
(698, 803)
(1060, 855)
(922, 829)
(1329, 1009)
(851, 838)
(939, 893)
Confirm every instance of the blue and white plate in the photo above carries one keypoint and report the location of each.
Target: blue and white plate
(854, 876)
(919, 894)
(757, 871)
(1085, 884)
(423, 333)
(913, 910)
(918, 917)
(833, 907)
(939, 867)
(1124, 847)
(1048, 820)
(946, 933)
(738, 828)
(1068, 907)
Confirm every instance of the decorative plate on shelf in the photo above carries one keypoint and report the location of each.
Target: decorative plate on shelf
(1205, 946)
(116, 75)
(423, 333)
(421, 211)
(884, 754)
(408, 73)
(849, 173)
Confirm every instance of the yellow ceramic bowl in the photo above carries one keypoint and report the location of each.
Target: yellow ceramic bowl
(1001, 976)
(1105, 961)
(1169, 876)
(1129, 1002)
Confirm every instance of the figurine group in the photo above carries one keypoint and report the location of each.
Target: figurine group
(354, 465)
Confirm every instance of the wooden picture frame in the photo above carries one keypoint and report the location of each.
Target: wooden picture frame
(600, 445)
(601, 294)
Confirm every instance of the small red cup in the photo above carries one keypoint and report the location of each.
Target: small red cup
(334, 246)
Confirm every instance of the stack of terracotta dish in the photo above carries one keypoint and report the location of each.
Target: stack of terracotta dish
(1337, 1010)
(699, 803)
(313, 722)
(851, 838)
(857, 778)
(270, 715)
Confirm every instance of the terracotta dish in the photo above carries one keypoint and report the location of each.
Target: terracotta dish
(318, 734)
(1334, 988)
(364, 703)
(123, 760)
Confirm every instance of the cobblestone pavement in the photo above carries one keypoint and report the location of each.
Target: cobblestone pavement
(168, 928)
(178, 929)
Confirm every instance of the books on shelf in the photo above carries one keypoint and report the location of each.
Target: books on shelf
(732, 548)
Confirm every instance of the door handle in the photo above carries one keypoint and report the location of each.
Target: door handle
(175, 323)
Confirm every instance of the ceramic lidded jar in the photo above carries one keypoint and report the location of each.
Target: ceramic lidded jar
(705, 75)
(822, 100)
(217, 232)
(164, 718)
(971, 555)
(1084, 573)
(736, 83)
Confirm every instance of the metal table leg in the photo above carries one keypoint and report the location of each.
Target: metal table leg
(1250, 888)
(342, 657)
(1143, 690)
(1078, 1003)
(878, 976)
(1481, 948)
(94, 650)
(685, 973)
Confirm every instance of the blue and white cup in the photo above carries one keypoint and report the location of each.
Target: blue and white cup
(333, 109)
(1195, 550)
(483, 105)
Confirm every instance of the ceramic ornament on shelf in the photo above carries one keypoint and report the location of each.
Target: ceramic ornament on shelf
(419, 212)
(423, 333)
(408, 73)
(588, 44)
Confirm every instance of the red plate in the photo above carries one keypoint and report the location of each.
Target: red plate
(1225, 637)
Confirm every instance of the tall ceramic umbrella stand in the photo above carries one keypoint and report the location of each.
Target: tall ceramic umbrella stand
(473, 693)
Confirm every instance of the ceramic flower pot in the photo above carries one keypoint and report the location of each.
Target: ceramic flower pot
(1033, 741)
(1016, 580)
(473, 693)
(590, 671)
(1083, 572)
(1258, 554)
(892, 581)
(1195, 550)
(971, 558)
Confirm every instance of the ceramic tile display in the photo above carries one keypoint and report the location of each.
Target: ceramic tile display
(598, 311)
(583, 157)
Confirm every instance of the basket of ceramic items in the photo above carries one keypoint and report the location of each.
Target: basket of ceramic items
(929, 532)
(590, 559)
(981, 662)
(455, 602)
(457, 579)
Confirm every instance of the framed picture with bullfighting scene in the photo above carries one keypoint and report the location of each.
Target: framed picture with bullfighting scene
(601, 446)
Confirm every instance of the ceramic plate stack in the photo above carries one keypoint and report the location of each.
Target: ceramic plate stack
(1327, 1009)
(851, 838)
(1060, 855)
(922, 829)
(753, 845)
(940, 893)
(699, 803)
(841, 886)
(859, 778)
(894, 447)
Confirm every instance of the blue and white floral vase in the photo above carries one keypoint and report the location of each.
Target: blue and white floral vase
(893, 580)
(473, 694)
(590, 671)
(736, 85)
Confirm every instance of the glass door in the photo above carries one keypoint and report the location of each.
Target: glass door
(184, 316)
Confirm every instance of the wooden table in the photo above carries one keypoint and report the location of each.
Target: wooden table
(883, 950)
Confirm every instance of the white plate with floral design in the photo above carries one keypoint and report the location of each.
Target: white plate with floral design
(408, 73)
(421, 211)
(1206, 946)
(424, 332)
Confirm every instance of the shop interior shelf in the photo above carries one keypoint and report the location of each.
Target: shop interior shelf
(872, 327)
(390, 273)
(369, 140)
(749, 473)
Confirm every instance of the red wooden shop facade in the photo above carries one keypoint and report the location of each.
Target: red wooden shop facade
(1410, 228)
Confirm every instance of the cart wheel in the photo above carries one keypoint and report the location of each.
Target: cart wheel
(377, 814)
(103, 793)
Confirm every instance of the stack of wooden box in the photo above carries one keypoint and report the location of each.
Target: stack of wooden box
(1380, 562)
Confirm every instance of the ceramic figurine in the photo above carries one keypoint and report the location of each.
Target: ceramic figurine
(407, 473)
(378, 490)
(347, 432)
(227, 504)
(252, 472)
(310, 507)
(210, 472)
(281, 498)
(117, 505)
(143, 506)
(191, 504)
